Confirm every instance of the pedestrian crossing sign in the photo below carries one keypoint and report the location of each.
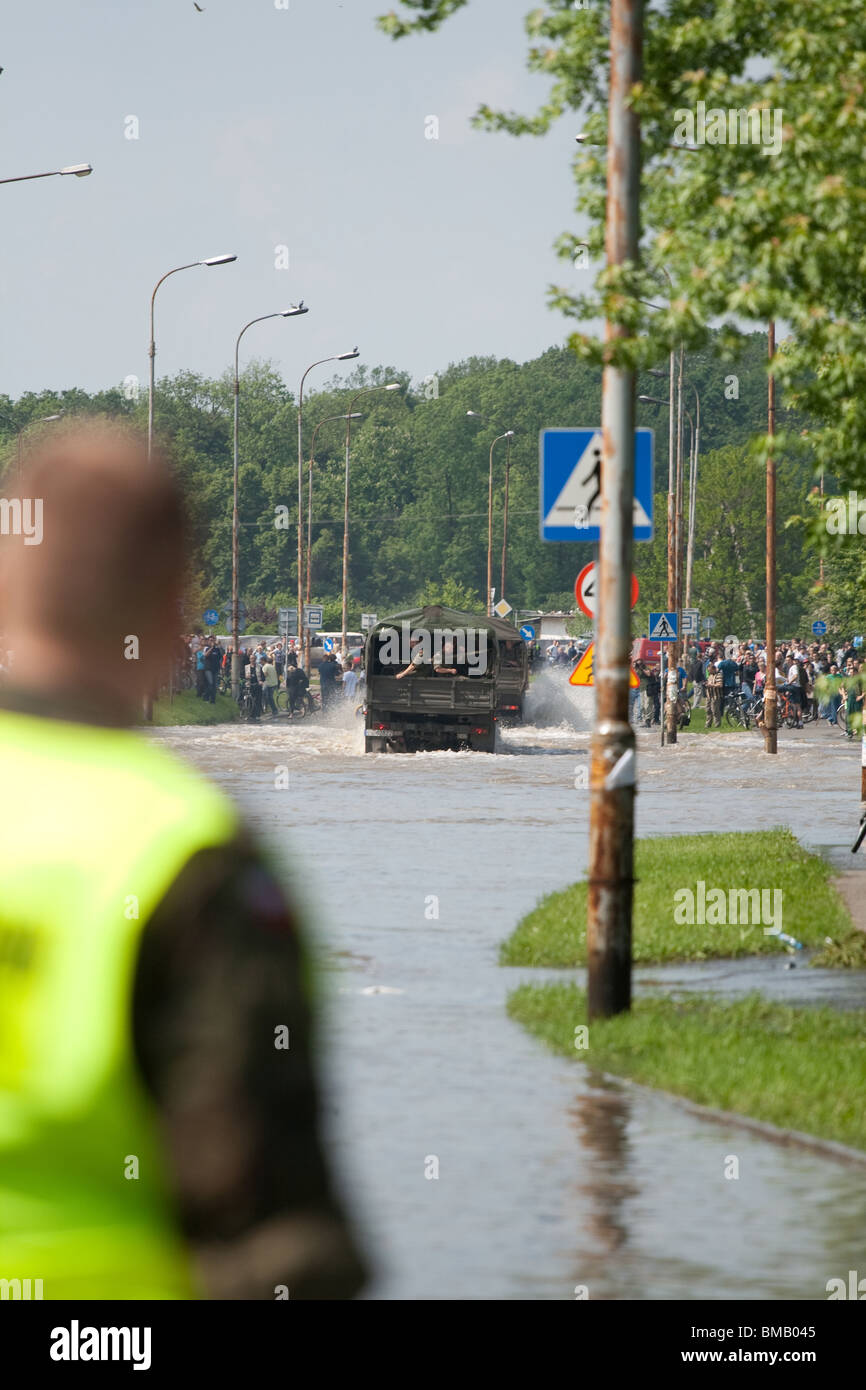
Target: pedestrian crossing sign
(570, 477)
(663, 627)
(583, 673)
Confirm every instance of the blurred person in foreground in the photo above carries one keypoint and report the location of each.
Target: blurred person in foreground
(158, 1105)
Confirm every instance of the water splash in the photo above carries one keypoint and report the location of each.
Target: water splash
(550, 700)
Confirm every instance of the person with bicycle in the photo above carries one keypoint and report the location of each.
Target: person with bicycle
(253, 690)
(834, 699)
(212, 662)
(297, 684)
(794, 691)
(853, 695)
(730, 680)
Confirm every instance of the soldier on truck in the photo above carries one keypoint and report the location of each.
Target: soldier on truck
(418, 665)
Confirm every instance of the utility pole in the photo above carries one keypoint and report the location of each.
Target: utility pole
(770, 708)
(612, 767)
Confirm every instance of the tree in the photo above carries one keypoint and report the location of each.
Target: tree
(762, 225)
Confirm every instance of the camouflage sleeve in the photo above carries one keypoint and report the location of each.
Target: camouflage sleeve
(222, 1033)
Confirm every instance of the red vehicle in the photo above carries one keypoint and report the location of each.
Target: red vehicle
(645, 651)
(648, 652)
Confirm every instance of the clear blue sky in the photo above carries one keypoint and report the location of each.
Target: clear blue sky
(261, 127)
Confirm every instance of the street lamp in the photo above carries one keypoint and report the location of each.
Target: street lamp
(693, 496)
(338, 357)
(391, 386)
(79, 170)
(509, 435)
(328, 418)
(279, 314)
(40, 420)
(210, 260)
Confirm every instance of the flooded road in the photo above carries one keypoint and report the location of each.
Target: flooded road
(549, 1177)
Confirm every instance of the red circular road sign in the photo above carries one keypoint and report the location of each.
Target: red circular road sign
(586, 589)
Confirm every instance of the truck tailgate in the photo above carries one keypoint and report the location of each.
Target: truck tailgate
(432, 694)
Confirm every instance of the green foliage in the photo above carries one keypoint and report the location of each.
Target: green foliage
(418, 490)
(748, 231)
(186, 708)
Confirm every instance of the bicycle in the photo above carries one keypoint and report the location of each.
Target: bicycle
(737, 710)
(786, 712)
(309, 704)
(249, 707)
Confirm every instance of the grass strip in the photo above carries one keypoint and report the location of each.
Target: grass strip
(187, 708)
(553, 934)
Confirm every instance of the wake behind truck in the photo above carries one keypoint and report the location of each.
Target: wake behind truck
(461, 675)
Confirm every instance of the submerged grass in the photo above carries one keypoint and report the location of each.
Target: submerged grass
(801, 1069)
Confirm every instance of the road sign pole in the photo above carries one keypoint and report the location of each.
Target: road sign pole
(662, 690)
(669, 702)
(612, 769)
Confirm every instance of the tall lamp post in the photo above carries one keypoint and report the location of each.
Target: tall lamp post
(279, 314)
(327, 420)
(693, 495)
(211, 260)
(391, 386)
(337, 357)
(509, 435)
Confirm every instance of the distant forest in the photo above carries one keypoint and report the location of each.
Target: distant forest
(418, 500)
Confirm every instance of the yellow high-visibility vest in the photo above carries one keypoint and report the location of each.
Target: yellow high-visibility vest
(95, 825)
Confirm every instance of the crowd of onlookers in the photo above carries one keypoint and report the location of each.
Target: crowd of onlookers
(815, 680)
(264, 668)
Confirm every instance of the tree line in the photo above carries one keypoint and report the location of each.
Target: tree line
(418, 488)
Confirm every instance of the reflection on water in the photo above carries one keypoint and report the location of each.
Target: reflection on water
(601, 1121)
(549, 1176)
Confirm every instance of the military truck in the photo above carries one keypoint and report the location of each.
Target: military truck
(439, 678)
